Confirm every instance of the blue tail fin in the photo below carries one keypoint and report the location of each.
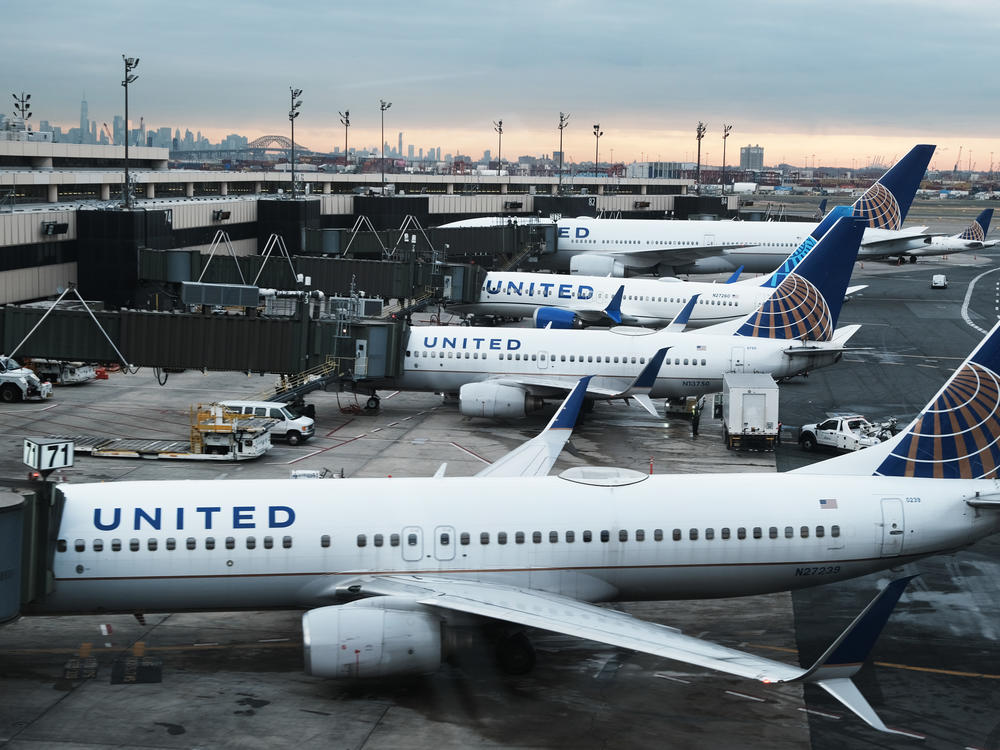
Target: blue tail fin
(736, 276)
(807, 244)
(979, 228)
(614, 308)
(884, 205)
(957, 435)
(822, 206)
(807, 303)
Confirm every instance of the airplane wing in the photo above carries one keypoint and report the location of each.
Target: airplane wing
(535, 457)
(676, 256)
(680, 321)
(561, 614)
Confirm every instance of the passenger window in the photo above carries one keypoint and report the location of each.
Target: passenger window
(268, 542)
(484, 537)
(230, 543)
(362, 540)
(519, 537)
(772, 532)
(834, 530)
(789, 532)
(463, 539)
(191, 542)
(502, 537)
(657, 535)
(622, 535)
(587, 536)
(570, 537)
(151, 544)
(536, 537)
(171, 543)
(133, 544)
(693, 534)
(819, 532)
(553, 537)
(710, 533)
(210, 542)
(757, 532)
(677, 535)
(605, 536)
(725, 532)
(251, 542)
(377, 540)
(411, 540)
(741, 533)
(116, 545)
(804, 532)
(260, 411)
(393, 540)
(445, 540)
(79, 545)
(640, 535)
(98, 545)
(324, 541)
(286, 542)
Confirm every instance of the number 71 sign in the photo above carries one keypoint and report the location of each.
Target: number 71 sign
(45, 454)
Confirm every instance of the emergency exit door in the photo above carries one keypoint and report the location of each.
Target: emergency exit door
(413, 544)
(737, 359)
(893, 529)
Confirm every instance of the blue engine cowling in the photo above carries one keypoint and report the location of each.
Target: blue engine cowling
(558, 317)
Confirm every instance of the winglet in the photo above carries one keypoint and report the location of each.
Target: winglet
(614, 308)
(681, 319)
(535, 457)
(736, 275)
(643, 384)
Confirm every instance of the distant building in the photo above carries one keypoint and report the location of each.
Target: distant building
(752, 157)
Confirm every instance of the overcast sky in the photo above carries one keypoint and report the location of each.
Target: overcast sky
(842, 80)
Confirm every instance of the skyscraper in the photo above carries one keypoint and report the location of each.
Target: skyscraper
(752, 157)
(84, 121)
(399, 151)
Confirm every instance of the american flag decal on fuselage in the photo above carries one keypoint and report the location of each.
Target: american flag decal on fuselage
(954, 438)
(796, 310)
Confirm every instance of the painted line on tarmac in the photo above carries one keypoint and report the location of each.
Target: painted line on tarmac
(968, 298)
(472, 453)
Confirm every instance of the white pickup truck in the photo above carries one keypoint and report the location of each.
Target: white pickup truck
(19, 383)
(848, 433)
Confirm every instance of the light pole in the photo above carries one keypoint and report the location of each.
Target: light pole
(345, 120)
(699, 134)
(22, 108)
(563, 122)
(293, 112)
(131, 63)
(725, 134)
(597, 142)
(383, 105)
(498, 126)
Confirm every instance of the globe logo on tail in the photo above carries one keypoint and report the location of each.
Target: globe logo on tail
(973, 232)
(879, 207)
(796, 310)
(953, 438)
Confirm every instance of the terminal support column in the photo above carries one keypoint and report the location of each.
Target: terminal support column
(53, 196)
(223, 188)
(189, 189)
(150, 190)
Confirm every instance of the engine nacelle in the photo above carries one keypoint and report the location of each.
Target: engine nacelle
(495, 400)
(588, 264)
(358, 641)
(555, 317)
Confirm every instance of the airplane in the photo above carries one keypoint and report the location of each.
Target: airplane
(390, 585)
(508, 372)
(618, 247)
(973, 237)
(568, 301)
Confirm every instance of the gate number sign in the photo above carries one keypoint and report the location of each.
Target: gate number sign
(44, 454)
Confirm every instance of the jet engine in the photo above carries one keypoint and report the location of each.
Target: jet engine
(362, 640)
(555, 317)
(495, 400)
(588, 264)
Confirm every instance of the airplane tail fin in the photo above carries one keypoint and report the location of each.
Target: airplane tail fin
(956, 436)
(979, 228)
(614, 309)
(781, 273)
(822, 206)
(845, 656)
(735, 276)
(806, 304)
(885, 204)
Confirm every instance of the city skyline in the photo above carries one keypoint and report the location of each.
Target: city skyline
(808, 84)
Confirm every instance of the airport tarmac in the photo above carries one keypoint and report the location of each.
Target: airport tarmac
(235, 680)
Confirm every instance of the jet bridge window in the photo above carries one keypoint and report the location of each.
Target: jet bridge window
(362, 540)
(834, 530)
(133, 544)
(377, 540)
(79, 545)
(210, 542)
(116, 545)
(151, 544)
(98, 545)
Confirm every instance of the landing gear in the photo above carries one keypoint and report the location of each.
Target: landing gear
(913, 259)
(373, 402)
(515, 654)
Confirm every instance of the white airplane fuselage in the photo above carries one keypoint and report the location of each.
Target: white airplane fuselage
(442, 359)
(646, 301)
(765, 243)
(195, 545)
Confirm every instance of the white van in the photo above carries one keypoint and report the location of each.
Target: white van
(939, 281)
(292, 425)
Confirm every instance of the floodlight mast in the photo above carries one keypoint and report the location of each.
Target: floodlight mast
(498, 126)
(597, 143)
(131, 63)
(563, 122)
(726, 129)
(699, 134)
(293, 112)
(383, 106)
(345, 120)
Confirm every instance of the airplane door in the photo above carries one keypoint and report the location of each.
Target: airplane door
(892, 526)
(543, 360)
(709, 240)
(413, 544)
(444, 542)
(737, 358)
